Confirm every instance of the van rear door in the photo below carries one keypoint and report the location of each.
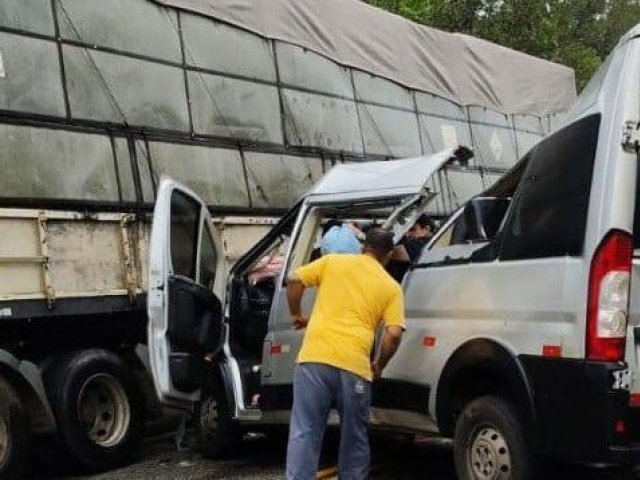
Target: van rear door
(633, 332)
(185, 297)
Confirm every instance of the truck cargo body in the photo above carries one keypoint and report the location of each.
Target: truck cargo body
(59, 265)
(64, 268)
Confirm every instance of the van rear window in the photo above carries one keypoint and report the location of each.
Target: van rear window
(549, 214)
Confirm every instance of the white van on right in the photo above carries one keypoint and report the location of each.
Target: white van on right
(524, 309)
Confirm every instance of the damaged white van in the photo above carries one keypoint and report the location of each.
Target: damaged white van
(523, 312)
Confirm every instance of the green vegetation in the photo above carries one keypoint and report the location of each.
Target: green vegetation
(577, 33)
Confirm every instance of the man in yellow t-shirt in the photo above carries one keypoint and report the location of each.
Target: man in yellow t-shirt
(354, 295)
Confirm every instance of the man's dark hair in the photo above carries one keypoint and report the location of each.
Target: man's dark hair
(425, 221)
(365, 227)
(334, 222)
(379, 241)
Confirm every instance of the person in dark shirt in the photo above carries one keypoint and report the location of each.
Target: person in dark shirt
(410, 248)
(418, 236)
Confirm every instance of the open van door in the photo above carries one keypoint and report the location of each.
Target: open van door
(185, 294)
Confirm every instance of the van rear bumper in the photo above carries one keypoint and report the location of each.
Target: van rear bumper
(578, 415)
(629, 454)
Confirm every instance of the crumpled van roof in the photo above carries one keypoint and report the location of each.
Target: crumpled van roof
(366, 180)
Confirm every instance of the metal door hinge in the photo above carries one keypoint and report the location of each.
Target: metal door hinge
(128, 257)
(631, 137)
(49, 291)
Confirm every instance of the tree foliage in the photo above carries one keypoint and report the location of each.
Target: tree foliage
(577, 33)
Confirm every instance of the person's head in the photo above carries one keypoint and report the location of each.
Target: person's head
(364, 227)
(423, 228)
(379, 244)
(339, 239)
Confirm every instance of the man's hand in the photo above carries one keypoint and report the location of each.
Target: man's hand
(376, 370)
(390, 343)
(300, 322)
(295, 289)
(400, 254)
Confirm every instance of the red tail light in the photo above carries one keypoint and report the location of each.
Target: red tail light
(608, 304)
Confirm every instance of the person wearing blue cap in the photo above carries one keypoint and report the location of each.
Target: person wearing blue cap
(340, 239)
(354, 296)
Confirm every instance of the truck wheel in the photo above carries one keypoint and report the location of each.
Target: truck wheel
(217, 434)
(98, 405)
(14, 433)
(489, 442)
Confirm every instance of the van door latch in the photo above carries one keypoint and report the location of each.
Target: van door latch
(631, 137)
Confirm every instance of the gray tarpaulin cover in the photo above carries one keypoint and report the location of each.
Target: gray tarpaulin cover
(464, 69)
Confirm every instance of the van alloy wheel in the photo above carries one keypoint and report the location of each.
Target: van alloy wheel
(488, 455)
(103, 409)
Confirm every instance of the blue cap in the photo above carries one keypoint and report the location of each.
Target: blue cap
(339, 240)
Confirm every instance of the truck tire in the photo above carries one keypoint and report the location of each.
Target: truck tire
(489, 442)
(99, 408)
(14, 433)
(217, 434)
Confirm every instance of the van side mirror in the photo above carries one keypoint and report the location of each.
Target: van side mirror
(483, 217)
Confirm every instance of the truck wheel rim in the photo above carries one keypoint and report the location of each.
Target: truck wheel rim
(104, 410)
(4, 441)
(488, 457)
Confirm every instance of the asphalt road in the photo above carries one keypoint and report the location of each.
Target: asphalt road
(263, 458)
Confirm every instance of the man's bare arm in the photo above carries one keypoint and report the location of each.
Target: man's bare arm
(390, 344)
(400, 255)
(295, 290)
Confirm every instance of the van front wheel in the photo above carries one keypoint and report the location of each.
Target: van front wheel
(217, 434)
(489, 442)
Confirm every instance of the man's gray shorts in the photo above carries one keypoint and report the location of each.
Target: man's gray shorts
(317, 388)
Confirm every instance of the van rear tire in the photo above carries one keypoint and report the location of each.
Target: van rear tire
(14, 433)
(489, 442)
(99, 409)
(217, 434)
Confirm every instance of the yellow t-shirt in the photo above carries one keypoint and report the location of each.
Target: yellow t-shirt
(355, 293)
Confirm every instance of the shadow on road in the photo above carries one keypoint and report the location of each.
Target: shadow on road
(263, 458)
